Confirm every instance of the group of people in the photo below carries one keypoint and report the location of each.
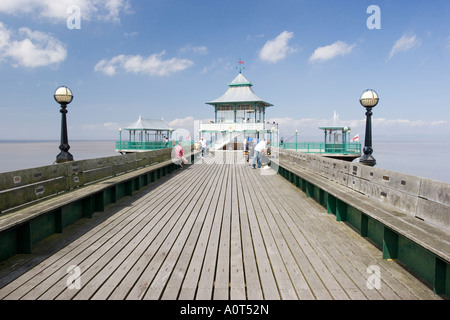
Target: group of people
(259, 149)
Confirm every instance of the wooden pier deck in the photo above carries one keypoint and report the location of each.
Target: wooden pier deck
(211, 231)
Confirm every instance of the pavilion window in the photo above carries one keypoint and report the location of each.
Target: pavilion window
(242, 114)
(225, 114)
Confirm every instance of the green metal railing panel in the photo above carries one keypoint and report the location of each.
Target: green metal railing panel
(445, 274)
(132, 145)
(8, 244)
(417, 258)
(147, 145)
(375, 231)
(394, 246)
(320, 147)
(43, 226)
(354, 217)
(71, 213)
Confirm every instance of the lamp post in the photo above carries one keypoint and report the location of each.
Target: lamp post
(344, 139)
(63, 96)
(120, 139)
(368, 100)
(296, 134)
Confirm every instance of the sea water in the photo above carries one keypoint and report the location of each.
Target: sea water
(428, 159)
(16, 155)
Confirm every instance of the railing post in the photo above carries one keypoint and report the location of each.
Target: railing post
(440, 277)
(341, 210)
(24, 238)
(390, 244)
(331, 204)
(364, 225)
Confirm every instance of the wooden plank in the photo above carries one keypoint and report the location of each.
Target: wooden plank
(297, 233)
(136, 282)
(333, 287)
(79, 250)
(192, 245)
(92, 259)
(280, 271)
(313, 238)
(237, 281)
(206, 277)
(346, 259)
(14, 218)
(268, 282)
(125, 263)
(30, 193)
(168, 242)
(253, 284)
(20, 178)
(222, 278)
(193, 259)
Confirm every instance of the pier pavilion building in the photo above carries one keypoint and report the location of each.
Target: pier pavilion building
(238, 114)
(143, 135)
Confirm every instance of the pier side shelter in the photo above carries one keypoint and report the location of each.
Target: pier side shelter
(338, 145)
(144, 135)
(238, 113)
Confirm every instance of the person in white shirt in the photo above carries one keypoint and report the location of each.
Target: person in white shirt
(203, 146)
(260, 148)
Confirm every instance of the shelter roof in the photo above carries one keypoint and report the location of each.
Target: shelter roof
(149, 124)
(239, 91)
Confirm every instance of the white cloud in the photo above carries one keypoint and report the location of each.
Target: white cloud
(440, 123)
(111, 125)
(308, 128)
(105, 10)
(201, 50)
(30, 48)
(187, 122)
(152, 65)
(405, 43)
(277, 49)
(339, 48)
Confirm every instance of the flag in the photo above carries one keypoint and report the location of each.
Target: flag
(355, 138)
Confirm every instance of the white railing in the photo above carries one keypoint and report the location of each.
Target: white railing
(241, 127)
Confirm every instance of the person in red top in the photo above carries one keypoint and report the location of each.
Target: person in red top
(180, 154)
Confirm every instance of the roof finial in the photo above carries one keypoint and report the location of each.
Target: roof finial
(240, 67)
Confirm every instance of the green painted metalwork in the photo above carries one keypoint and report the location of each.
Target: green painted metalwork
(341, 210)
(43, 226)
(393, 245)
(146, 146)
(131, 145)
(354, 217)
(390, 244)
(21, 237)
(321, 147)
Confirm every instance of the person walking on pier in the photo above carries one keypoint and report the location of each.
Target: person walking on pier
(203, 146)
(260, 148)
(179, 153)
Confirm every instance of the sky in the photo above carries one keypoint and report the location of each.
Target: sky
(165, 59)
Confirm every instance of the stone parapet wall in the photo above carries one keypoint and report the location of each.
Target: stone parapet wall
(425, 199)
